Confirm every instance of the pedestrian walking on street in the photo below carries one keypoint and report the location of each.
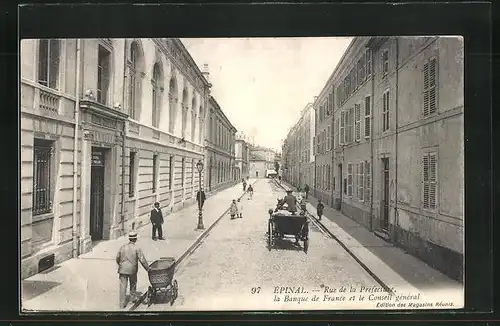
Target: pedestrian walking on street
(157, 221)
(306, 190)
(319, 209)
(128, 258)
(244, 185)
(233, 209)
(200, 198)
(240, 208)
(250, 192)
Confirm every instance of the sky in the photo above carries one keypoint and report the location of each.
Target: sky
(262, 84)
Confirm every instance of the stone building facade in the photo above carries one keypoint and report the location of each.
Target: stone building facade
(219, 149)
(137, 108)
(323, 144)
(299, 150)
(398, 143)
(261, 160)
(242, 153)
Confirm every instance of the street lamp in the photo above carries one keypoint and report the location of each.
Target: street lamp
(199, 167)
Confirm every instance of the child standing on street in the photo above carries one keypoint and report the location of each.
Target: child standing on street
(233, 210)
(240, 208)
(319, 209)
(250, 192)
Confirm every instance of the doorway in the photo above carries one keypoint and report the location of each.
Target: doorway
(97, 194)
(385, 193)
(339, 206)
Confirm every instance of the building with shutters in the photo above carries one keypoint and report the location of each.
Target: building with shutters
(137, 108)
(398, 163)
(298, 150)
(220, 160)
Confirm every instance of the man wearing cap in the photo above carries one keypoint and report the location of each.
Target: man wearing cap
(127, 259)
(290, 200)
(157, 221)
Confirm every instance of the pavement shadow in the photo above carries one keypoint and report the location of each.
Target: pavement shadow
(32, 289)
(409, 268)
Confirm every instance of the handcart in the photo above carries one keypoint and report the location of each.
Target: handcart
(281, 225)
(161, 276)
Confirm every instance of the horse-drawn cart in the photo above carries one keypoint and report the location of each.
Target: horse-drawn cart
(283, 224)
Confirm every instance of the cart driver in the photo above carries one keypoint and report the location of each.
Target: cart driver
(291, 201)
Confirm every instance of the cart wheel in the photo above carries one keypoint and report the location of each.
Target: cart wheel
(269, 236)
(149, 296)
(175, 292)
(306, 245)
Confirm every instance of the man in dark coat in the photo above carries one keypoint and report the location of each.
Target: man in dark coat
(200, 198)
(291, 201)
(157, 221)
(306, 190)
(128, 258)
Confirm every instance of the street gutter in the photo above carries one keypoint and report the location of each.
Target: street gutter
(190, 250)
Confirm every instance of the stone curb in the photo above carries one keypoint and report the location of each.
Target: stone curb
(190, 249)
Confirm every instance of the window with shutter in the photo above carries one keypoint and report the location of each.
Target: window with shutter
(368, 112)
(367, 181)
(349, 179)
(385, 111)
(361, 181)
(368, 63)
(358, 121)
(429, 76)
(429, 180)
(48, 62)
(355, 77)
(356, 188)
(351, 125)
(385, 62)
(342, 127)
(329, 139)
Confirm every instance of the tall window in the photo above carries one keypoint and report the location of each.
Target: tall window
(133, 80)
(429, 180)
(385, 62)
(357, 109)
(342, 127)
(368, 173)
(156, 82)
(429, 73)
(103, 75)
(368, 56)
(42, 176)
(48, 63)
(329, 138)
(349, 179)
(172, 109)
(155, 172)
(183, 171)
(385, 111)
(350, 125)
(131, 175)
(360, 180)
(368, 113)
(170, 172)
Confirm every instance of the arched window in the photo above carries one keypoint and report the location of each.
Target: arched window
(184, 112)
(193, 119)
(201, 119)
(134, 81)
(48, 63)
(156, 107)
(172, 95)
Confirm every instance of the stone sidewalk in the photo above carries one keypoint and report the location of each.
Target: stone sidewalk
(391, 264)
(90, 282)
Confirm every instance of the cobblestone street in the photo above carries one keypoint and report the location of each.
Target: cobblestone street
(234, 261)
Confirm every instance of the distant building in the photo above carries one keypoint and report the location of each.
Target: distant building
(219, 149)
(242, 154)
(261, 160)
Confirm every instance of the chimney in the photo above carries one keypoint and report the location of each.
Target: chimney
(206, 72)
